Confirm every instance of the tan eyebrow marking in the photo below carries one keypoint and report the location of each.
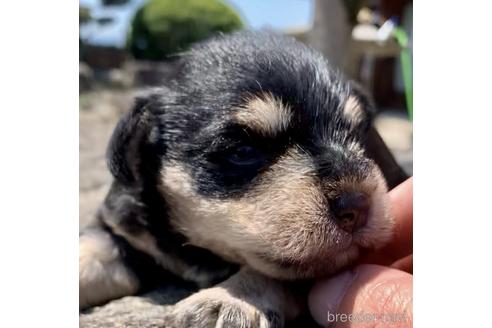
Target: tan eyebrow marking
(265, 114)
(352, 110)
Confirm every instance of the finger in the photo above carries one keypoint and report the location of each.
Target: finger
(401, 245)
(369, 296)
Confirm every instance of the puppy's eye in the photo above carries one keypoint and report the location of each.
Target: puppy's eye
(245, 156)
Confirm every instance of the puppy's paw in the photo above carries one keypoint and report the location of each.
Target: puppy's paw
(216, 307)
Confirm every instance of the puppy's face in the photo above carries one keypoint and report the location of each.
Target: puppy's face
(265, 162)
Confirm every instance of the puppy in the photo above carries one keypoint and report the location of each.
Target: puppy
(251, 169)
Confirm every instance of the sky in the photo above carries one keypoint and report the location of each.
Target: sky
(276, 14)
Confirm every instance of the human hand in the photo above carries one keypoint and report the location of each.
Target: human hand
(378, 291)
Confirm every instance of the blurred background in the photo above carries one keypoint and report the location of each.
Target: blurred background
(125, 45)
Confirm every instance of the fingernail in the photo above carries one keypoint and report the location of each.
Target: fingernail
(326, 295)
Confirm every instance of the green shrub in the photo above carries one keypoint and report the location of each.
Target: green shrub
(164, 27)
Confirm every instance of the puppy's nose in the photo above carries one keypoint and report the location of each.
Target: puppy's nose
(351, 210)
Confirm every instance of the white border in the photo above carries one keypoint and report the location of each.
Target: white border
(39, 164)
(452, 167)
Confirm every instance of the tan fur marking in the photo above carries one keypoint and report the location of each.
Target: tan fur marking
(265, 114)
(238, 229)
(353, 110)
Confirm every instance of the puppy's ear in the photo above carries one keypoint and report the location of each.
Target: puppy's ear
(133, 150)
(375, 147)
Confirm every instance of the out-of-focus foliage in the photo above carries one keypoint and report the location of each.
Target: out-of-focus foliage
(164, 27)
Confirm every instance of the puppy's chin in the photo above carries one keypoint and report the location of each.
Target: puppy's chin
(317, 266)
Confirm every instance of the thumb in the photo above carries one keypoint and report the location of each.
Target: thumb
(367, 296)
